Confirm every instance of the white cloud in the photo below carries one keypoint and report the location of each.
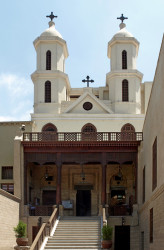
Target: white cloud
(16, 97)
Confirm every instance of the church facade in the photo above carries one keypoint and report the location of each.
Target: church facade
(83, 149)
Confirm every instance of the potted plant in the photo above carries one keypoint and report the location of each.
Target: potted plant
(20, 231)
(107, 236)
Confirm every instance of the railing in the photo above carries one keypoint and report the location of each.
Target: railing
(40, 210)
(44, 231)
(72, 137)
(120, 210)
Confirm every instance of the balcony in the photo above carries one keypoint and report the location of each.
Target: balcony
(83, 137)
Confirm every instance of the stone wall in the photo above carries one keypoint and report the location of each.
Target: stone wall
(9, 218)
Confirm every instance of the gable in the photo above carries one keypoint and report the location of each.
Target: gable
(88, 104)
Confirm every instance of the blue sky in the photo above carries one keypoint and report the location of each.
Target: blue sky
(87, 26)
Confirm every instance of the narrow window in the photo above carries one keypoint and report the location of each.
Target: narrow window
(8, 188)
(154, 163)
(124, 59)
(7, 172)
(48, 60)
(151, 225)
(125, 91)
(143, 195)
(48, 91)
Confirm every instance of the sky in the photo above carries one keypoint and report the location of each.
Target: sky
(87, 26)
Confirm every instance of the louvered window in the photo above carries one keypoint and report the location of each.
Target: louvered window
(7, 172)
(125, 91)
(89, 132)
(48, 91)
(124, 59)
(154, 163)
(48, 60)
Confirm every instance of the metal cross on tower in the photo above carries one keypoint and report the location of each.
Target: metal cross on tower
(88, 81)
(122, 18)
(52, 16)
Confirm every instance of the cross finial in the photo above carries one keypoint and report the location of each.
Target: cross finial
(52, 16)
(88, 81)
(122, 18)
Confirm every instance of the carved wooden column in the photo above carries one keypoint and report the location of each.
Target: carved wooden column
(58, 188)
(136, 176)
(103, 190)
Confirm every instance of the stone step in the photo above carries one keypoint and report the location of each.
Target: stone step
(76, 233)
(74, 247)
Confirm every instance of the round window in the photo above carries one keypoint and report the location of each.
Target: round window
(87, 106)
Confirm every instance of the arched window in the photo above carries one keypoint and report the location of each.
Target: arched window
(89, 132)
(47, 91)
(49, 132)
(124, 59)
(128, 128)
(48, 60)
(128, 132)
(125, 91)
(49, 127)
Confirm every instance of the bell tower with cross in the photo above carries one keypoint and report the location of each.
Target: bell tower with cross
(124, 80)
(51, 84)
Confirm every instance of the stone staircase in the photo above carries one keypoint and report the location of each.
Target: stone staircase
(76, 233)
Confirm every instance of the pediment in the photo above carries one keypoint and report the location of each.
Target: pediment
(98, 107)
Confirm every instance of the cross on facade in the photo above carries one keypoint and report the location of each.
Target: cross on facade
(122, 18)
(88, 81)
(52, 16)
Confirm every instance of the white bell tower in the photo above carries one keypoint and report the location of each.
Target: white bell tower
(51, 84)
(124, 80)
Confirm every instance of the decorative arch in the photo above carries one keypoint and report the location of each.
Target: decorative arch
(89, 132)
(128, 132)
(49, 127)
(128, 128)
(48, 60)
(47, 91)
(49, 132)
(124, 59)
(125, 90)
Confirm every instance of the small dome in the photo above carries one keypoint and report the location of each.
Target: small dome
(51, 31)
(123, 32)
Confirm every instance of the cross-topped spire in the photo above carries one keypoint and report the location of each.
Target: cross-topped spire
(52, 16)
(88, 81)
(122, 18)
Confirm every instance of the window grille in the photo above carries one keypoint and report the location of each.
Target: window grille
(49, 127)
(48, 91)
(48, 60)
(124, 59)
(125, 91)
(89, 128)
(7, 172)
(8, 188)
